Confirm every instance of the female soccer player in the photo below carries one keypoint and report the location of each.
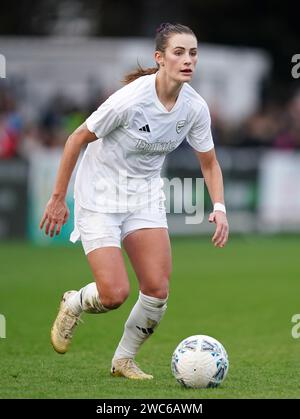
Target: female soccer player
(118, 192)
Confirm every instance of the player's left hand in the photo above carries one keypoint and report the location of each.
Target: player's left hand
(220, 237)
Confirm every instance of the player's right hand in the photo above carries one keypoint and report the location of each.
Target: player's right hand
(55, 216)
(220, 237)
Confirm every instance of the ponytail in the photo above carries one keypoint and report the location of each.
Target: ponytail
(138, 72)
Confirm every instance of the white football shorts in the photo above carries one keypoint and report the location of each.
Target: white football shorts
(97, 229)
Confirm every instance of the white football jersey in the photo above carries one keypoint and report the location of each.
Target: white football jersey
(121, 170)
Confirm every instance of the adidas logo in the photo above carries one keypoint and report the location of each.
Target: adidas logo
(147, 331)
(145, 128)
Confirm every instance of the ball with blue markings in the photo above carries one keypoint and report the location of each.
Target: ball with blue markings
(200, 361)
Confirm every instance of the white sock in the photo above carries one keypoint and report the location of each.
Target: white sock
(87, 300)
(143, 319)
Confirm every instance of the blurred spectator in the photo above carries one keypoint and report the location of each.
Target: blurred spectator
(10, 126)
(289, 137)
(261, 128)
(58, 120)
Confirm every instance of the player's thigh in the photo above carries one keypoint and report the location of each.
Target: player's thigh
(107, 265)
(149, 251)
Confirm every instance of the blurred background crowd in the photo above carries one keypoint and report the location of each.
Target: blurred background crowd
(274, 124)
(271, 26)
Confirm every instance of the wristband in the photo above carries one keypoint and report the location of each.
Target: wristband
(219, 207)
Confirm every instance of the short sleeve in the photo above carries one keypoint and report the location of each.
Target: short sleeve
(199, 136)
(105, 119)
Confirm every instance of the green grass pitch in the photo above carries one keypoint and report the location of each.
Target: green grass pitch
(243, 295)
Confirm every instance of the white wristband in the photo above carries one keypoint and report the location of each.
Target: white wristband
(219, 207)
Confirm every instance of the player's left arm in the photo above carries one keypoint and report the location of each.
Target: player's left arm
(214, 181)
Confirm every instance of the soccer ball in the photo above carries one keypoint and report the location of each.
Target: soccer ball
(200, 361)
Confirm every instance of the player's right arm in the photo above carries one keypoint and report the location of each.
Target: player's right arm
(56, 212)
(110, 114)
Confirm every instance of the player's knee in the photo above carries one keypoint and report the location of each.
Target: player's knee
(114, 298)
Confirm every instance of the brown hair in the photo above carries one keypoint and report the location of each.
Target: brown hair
(163, 34)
